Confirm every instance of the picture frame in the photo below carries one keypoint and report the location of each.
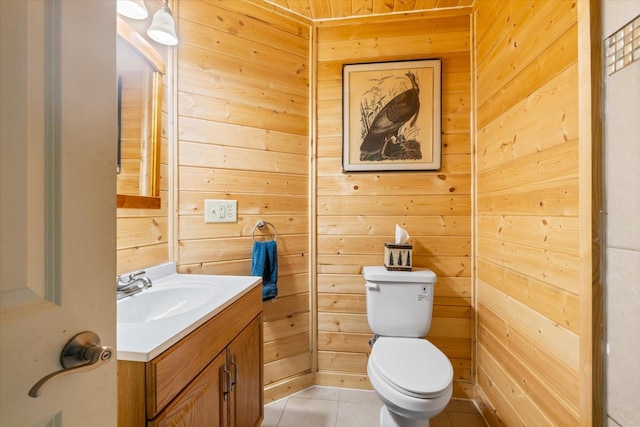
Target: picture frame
(391, 116)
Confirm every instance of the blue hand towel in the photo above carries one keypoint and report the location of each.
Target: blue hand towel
(265, 264)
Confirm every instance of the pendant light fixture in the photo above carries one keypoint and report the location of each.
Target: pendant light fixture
(163, 26)
(134, 9)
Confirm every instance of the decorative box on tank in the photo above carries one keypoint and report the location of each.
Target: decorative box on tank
(398, 256)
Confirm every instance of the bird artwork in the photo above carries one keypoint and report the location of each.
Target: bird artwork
(390, 135)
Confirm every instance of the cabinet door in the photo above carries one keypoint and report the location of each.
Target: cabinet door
(245, 359)
(200, 403)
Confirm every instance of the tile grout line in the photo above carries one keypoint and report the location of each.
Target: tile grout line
(284, 408)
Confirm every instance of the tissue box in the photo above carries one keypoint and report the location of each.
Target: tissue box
(398, 257)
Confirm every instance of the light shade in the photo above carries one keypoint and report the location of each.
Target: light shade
(134, 9)
(163, 27)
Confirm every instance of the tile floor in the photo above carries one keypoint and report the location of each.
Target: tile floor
(336, 407)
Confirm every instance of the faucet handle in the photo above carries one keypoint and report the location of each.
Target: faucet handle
(146, 281)
(121, 280)
(128, 278)
(136, 274)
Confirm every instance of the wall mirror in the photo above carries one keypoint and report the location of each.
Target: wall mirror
(139, 68)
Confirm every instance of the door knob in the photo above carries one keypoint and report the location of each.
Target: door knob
(82, 353)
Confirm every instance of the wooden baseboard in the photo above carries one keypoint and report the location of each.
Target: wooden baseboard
(287, 387)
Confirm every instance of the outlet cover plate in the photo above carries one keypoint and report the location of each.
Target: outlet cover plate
(220, 211)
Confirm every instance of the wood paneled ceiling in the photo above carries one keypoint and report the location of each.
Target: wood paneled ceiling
(335, 9)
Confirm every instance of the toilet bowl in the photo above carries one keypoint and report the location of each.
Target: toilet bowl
(411, 376)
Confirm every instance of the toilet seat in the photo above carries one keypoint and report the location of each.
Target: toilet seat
(412, 366)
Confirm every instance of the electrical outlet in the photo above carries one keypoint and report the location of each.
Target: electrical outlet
(220, 211)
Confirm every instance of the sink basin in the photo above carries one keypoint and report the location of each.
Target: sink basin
(151, 321)
(161, 303)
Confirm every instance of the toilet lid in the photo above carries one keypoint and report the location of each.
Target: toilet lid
(412, 366)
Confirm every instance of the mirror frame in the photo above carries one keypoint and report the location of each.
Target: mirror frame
(131, 37)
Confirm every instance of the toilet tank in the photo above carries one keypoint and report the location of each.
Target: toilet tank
(399, 303)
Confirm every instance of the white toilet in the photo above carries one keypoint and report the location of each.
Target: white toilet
(411, 376)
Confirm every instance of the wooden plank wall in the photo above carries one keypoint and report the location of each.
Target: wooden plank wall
(357, 212)
(142, 234)
(243, 134)
(529, 291)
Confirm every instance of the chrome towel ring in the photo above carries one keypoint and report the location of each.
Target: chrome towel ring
(261, 224)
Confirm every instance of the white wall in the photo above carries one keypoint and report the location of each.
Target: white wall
(622, 221)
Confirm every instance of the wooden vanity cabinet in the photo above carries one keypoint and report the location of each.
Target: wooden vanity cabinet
(200, 404)
(212, 377)
(245, 357)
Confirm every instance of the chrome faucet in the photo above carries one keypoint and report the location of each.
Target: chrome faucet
(131, 284)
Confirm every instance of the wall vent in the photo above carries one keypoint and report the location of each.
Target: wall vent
(623, 47)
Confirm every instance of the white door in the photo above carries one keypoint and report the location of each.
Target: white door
(57, 211)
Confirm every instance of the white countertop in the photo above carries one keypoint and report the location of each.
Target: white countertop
(143, 341)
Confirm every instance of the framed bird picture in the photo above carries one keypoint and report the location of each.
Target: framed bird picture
(392, 116)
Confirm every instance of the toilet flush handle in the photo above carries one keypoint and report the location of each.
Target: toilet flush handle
(372, 286)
